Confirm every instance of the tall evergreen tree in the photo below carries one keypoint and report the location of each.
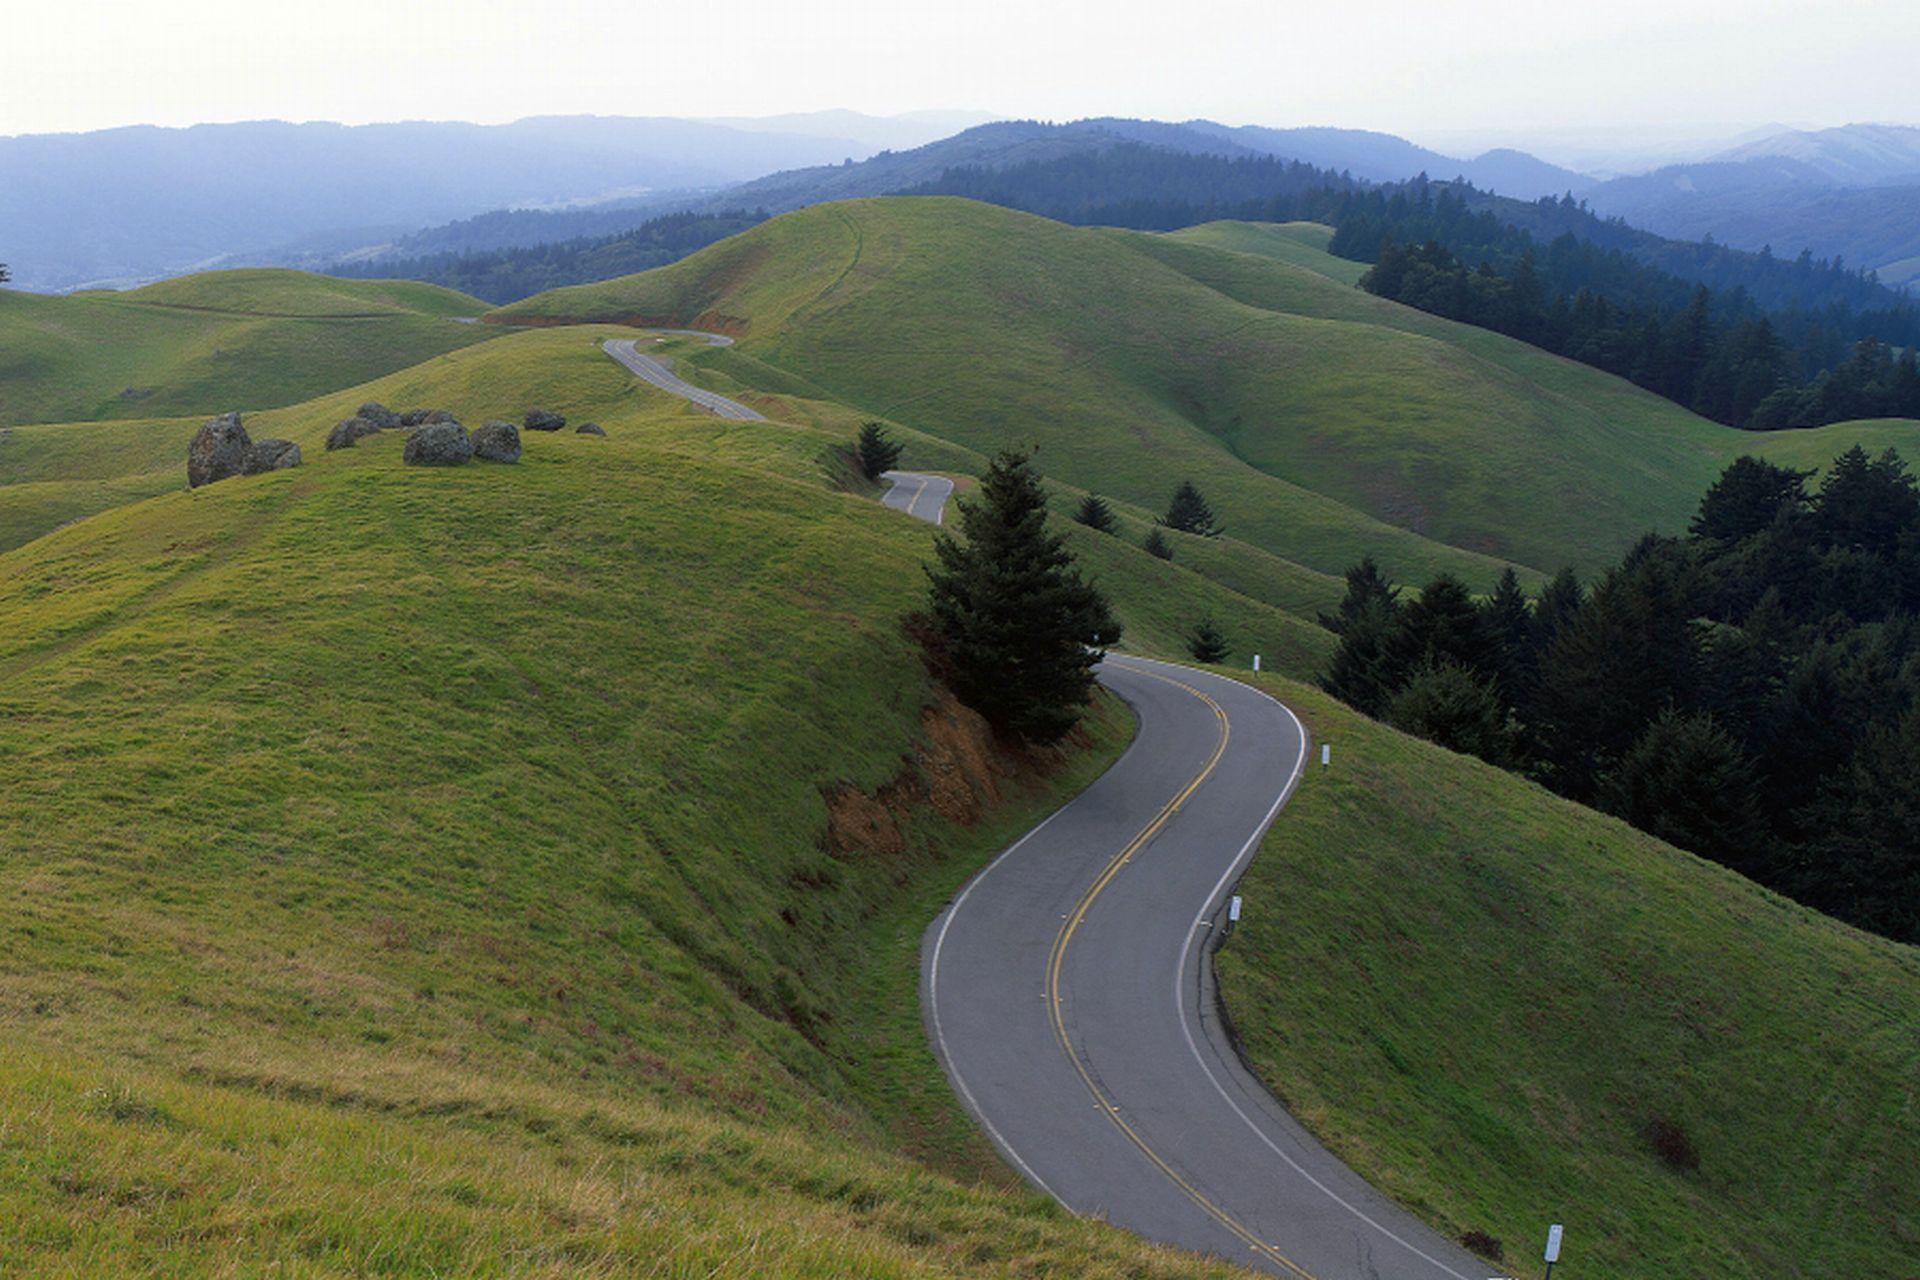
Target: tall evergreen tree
(1746, 498)
(878, 450)
(1022, 631)
(1361, 673)
(1207, 643)
(1866, 503)
(1442, 624)
(1507, 620)
(1366, 588)
(1444, 702)
(1095, 513)
(1188, 512)
(1687, 781)
(1156, 545)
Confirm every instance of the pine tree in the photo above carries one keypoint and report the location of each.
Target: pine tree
(1687, 781)
(1442, 624)
(1366, 587)
(1156, 544)
(1446, 703)
(1746, 498)
(1095, 513)
(1021, 630)
(878, 451)
(1507, 620)
(1359, 673)
(1188, 512)
(1207, 643)
(5, 275)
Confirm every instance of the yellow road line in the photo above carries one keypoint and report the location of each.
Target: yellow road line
(1057, 959)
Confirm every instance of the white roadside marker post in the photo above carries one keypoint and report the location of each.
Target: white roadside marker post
(1326, 755)
(1233, 912)
(1256, 662)
(1553, 1248)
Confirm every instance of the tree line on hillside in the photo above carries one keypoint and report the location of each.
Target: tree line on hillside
(501, 276)
(1750, 692)
(1728, 362)
(1743, 338)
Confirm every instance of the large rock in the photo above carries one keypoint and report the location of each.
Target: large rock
(379, 415)
(589, 429)
(219, 450)
(438, 444)
(423, 417)
(497, 442)
(344, 435)
(544, 420)
(271, 455)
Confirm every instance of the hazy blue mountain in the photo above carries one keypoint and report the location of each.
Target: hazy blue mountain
(130, 204)
(874, 133)
(1854, 155)
(1384, 157)
(1785, 203)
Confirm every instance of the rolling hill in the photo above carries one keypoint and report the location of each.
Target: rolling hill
(520, 870)
(208, 343)
(1323, 423)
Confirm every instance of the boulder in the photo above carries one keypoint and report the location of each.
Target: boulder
(589, 429)
(344, 435)
(438, 444)
(271, 455)
(414, 417)
(544, 420)
(379, 415)
(219, 450)
(497, 441)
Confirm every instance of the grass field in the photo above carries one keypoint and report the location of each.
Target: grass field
(1483, 997)
(205, 344)
(1322, 422)
(424, 871)
(520, 870)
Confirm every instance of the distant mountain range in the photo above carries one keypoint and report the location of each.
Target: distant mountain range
(127, 205)
(1851, 193)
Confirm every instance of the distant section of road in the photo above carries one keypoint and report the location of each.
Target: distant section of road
(1068, 993)
(918, 494)
(648, 369)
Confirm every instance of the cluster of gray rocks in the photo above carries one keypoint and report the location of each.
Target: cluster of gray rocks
(435, 438)
(222, 448)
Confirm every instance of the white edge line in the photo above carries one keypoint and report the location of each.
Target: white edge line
(933, 1006)
(1179, 978)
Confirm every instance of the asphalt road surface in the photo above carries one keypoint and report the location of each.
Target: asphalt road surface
(918, 494)
(648, 369)
(1068, 993)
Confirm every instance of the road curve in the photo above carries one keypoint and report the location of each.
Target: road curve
(1068, 993)
(657, 372)
(918, 494)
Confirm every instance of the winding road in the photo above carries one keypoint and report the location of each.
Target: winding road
(1068, 992)
(919, 495)
(1068, 988)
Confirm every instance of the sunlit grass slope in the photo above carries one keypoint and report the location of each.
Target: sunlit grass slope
(1323, 423)
(1303, 244)
(429, 872)
(205, 344)
(1485, 998)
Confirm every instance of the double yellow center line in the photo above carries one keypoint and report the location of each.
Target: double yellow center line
(1056, 963)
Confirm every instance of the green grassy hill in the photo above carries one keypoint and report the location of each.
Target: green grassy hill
(1323, 422)
(205, 344)
(520, 870)
(1485, 998)
(503, 870)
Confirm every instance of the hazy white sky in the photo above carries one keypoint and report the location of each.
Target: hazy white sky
(1411, 68)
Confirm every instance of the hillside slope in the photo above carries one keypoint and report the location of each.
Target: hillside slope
(1502, 1007)
(205, 344)
(1322, 422)
(484, 871)
(519, 870)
